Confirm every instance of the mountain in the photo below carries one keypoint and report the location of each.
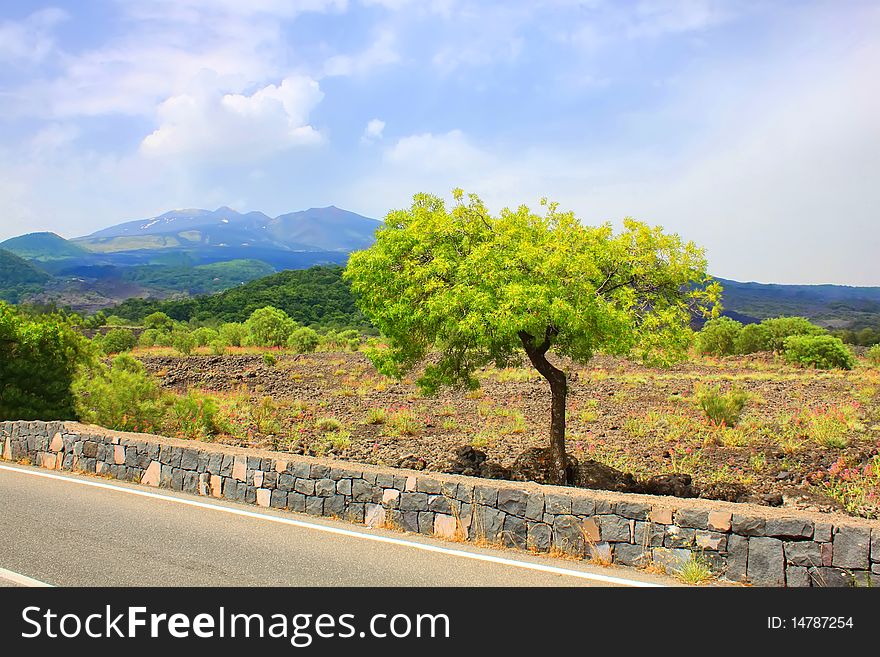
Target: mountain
(43, 247)
(226, 230)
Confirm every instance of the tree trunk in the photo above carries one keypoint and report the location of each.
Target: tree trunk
(559, 391)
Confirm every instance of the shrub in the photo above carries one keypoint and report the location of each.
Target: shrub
(328, 424)
(873, 355)
(722, 407)
(719, 336)
(122, 396)
(376, 416)
(203, 336)
(183, 342)
(269, 327)
(233, 334)
(148, 338)
(823, 352)
(303, 340)
(218, 348)
(39, 360)
(269, 360)
(116, 341)
(159, 321)
(194, 416)
(780, 328)
(752, 339)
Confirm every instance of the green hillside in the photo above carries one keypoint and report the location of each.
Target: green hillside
(43, 247)
(18, 277)
(201, 279)
(315, 297)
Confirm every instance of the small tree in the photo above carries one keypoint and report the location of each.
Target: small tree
(269, 327)
(480, 289)
(719, 337)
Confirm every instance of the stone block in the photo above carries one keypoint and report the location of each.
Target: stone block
(720, 521)
(513, 501)
(852, 548)
(803, 553)
(766, 565)
(264, 497)
(539, 536)
(789, 528)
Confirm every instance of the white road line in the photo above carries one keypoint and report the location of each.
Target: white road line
(606, 579)
(21, 580)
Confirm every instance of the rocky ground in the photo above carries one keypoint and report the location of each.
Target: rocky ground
(623, 419)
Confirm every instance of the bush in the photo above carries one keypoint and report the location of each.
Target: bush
(873, 355)
(303, 340)
(269, 327)
(195, 416)
(752, 339)
(204, 336)
(233, 334)
(39, 361)
(218, 347)
(719, 337)
(117, 340)
(159, 321)
(148, 338)
(823, 352)
(122, 396)
(780, 328)
(269, 360)
(722, 407)
(183, 342)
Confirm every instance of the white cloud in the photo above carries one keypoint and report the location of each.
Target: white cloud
(381, 52)
(30, 40)
(374, 130)
(208, 124)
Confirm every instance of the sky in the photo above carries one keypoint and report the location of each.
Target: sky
(750, 127)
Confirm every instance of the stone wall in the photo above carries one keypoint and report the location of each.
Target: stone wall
(760, 545)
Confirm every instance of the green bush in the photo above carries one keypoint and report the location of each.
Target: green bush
(122, 396)
(781, 328)
(752, 339)
(195, 416)
(218, 347)
(718, 337)
(873, 355)
(40, 357)
(116, 341)
(204, 336)
(159, 321)
(269, 360)
(148, 338)
(233, 334)
(183, 342)
(722, 407)
(823, 352)
(303, 340)
(269, 327)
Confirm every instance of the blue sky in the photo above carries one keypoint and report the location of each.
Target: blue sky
(749, 127)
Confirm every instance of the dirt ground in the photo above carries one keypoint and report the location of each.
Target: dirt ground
(796, 425)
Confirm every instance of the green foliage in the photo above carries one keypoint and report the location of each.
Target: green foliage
(873, 355)
(316, 297)
(478, 289)
(159, 321)
(269, 327)
(719, 337)
(116, 341)
(269, 360)
(39, 360)
(203, 336)
(195, 416)
(779, 329)
(19, 278)
(752, 339)
(722, 407)
(820, 351)
(95, 321)
(183, 342)
(122, 396)
(303, 340)
(201, 279)
(233, 334)
(149, 337)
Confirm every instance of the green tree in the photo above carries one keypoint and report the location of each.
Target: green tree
(183, 342)
(823, 352)
(719, 336)
(303, 340)
(39, 359)
(117, 340)
(233, 334)
(780, 328)
(481, 289)
(159, 321)
(752, 339)
(269, 327)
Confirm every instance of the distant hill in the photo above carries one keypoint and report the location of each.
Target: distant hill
(18, 277)
(317, 297)
(831, 306)
(43, 247)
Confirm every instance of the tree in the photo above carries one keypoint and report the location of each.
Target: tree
(752, 339)
(159, 321)
(303, 340)
(39, 358)
(117, 340)
(269, 327)
(480, 289)
(780, 328)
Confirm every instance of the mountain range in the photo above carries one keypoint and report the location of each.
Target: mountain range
(182, 252)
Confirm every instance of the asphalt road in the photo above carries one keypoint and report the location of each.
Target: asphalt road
(63, 532)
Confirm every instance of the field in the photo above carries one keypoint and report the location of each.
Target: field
(806, 439)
